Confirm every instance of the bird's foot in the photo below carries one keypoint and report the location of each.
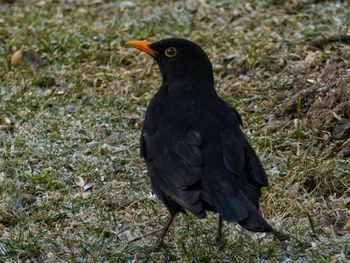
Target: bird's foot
(157, 247)
(219, 242)
(280, 236)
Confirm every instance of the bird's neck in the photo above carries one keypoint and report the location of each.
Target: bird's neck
(197, 85)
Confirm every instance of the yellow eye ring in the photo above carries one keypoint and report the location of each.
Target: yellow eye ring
(170, 52)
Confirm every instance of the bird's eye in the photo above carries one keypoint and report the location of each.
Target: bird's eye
(170, 52)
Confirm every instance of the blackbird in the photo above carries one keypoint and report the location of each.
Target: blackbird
(197, 157)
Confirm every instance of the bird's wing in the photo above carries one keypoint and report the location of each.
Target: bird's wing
(239, 153)
(241, 160)
(174, 165)
(239, 157)
(235, 190)
(234, 184)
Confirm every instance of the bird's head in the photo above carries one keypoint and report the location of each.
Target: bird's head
(179, 60)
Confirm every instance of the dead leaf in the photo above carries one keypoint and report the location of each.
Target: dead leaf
(337, 116)
(16, 57)
(79, 181)
(5, 120)
(312, 58)
(117, 149)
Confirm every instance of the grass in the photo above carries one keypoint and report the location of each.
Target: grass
(80, 116)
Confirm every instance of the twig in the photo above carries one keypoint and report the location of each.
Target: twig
(145, 235)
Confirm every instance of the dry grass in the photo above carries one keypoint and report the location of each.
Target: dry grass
(58, 136)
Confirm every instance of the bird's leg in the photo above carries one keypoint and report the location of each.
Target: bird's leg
(219, 240)
(219, 236)
(165, 230)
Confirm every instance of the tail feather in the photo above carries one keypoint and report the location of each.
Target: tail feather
(230, 207)
(255, 221)
(239, 208)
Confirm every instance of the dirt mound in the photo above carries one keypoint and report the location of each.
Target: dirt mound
(326, 104)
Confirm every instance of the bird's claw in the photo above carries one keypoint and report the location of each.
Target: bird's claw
(280, 236)
(219, 242)
(157, 247)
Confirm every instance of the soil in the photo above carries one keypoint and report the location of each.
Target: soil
(326, 104)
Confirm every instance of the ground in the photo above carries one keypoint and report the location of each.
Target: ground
(72, 185)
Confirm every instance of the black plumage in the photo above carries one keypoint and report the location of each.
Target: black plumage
(197, 157)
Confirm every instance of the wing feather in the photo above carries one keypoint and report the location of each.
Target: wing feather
(176, 167)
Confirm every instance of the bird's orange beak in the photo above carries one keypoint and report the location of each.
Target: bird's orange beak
(142, 45)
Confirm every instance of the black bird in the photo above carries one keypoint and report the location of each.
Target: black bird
(197, 157)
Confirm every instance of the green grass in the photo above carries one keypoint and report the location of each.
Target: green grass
(93, 90)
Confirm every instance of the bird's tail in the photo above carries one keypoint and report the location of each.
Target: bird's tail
(239, 208)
